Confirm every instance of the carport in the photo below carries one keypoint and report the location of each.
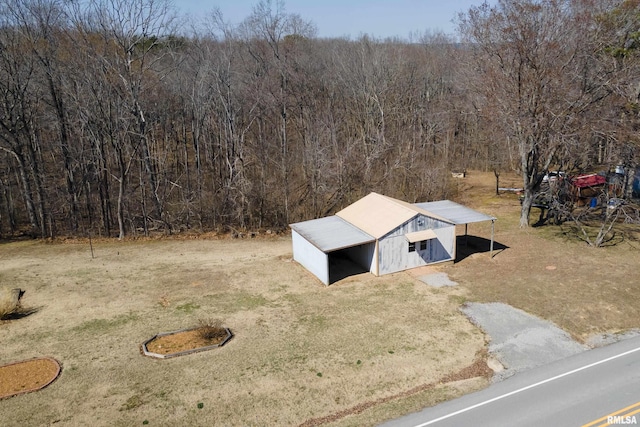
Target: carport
(331, 248)
(459, 215)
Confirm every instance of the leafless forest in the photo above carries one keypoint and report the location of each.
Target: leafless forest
(119, 118)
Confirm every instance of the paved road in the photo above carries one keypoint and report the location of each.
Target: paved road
(577, 391)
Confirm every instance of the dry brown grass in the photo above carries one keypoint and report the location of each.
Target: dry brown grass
(301, 351)
(549, 272)
(211, 329)
(10, 305)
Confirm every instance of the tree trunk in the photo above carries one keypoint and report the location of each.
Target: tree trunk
(64, 147)
(121, 187)
(527, 203)
(150, 170)
(27, 193)
(120, 209)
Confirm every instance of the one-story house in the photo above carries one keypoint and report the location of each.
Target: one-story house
(381, 235)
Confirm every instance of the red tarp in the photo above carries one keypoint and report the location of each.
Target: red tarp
(591, 180)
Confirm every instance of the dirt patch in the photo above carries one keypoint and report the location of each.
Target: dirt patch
(27, 376)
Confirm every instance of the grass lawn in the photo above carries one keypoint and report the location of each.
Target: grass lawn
(356, 353)
(301, 351)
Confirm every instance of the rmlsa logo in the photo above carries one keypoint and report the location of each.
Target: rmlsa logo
(619, 419)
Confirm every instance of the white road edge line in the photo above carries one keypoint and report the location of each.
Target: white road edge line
(486, 402)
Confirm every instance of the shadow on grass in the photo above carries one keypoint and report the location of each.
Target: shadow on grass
(469, 245)
(21, 313)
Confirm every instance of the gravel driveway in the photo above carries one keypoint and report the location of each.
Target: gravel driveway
(518, 340)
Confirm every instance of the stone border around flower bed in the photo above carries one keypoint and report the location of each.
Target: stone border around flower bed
(146, 352)
(40, 387)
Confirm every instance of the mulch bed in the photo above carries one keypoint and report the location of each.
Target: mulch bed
(181, 341)
(27, 376)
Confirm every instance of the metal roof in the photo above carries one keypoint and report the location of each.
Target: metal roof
(455, 212)
(377, 215)
(331, 233)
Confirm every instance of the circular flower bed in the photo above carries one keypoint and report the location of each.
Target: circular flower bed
(28, 375)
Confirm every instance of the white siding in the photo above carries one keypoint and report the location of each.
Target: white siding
(310, 257)
(394, 252)
(447, 237)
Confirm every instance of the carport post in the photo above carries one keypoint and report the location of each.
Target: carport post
(493, 221)
(466, 238)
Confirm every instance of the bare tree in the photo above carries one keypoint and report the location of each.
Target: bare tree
(265, 32)
(133, 38)
(108, 115)
(532, 71)
(19, 111)
(42, 24)
(619, 38)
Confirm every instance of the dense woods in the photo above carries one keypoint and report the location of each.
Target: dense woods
(117, 118)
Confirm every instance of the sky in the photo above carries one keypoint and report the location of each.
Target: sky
(350, 18)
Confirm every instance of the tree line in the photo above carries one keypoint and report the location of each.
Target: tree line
(116, 121)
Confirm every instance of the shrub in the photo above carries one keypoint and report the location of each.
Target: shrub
(211, 329)
(9, 302)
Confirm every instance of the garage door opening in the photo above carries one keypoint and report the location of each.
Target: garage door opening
(348, 262)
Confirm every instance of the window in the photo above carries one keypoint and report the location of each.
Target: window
(412, 247)
(423, 245)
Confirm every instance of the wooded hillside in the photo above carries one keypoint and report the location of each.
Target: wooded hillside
(117, 119)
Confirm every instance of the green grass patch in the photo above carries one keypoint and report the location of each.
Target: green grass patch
(94, 326)
(314, 322)
(247, 301)
(458, 299)
(188, 307)
(133, 402)
(232, 302)
(82, 276)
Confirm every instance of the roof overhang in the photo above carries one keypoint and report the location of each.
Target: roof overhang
(419, 236)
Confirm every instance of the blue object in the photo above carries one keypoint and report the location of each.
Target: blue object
(593, 203)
